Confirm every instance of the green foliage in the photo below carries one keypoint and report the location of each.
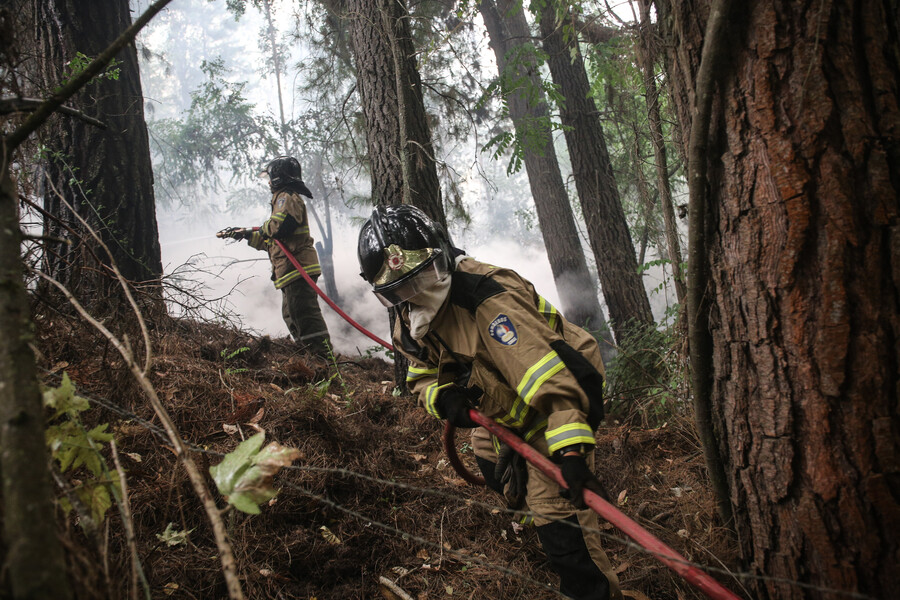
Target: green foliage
(220, 131)
(78, 450)
(532, 134)
(228, 355)
(245, 475)
(77, 65)
(647, 379)
(174, 537)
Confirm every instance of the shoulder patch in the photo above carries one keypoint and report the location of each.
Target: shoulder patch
(503, 330)
(469, 290)
(280, 202)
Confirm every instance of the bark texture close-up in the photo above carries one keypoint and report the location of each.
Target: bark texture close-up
(105, 175)
(804, 260)
(401, 154)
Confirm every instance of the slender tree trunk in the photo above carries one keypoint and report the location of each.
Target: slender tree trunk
(607, 228)
(646, 59)
(511, 41)
(804, 258)
(35, 562)
(104, 174)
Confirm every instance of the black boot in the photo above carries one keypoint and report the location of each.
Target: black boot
(579, 576)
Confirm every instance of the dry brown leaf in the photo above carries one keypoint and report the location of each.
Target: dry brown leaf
(60, 365)
(623, 497)
(329, 536)
(258, 416)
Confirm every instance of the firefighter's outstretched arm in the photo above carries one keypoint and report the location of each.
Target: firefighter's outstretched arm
(235, 233)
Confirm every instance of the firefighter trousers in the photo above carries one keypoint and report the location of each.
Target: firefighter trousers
(300, 309)
(570, 538)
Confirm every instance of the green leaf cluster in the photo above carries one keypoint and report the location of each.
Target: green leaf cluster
(245, 475)
(75, 448)
(77, 65)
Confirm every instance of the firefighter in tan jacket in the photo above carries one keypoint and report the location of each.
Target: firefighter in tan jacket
(289, 224)
(480, 336)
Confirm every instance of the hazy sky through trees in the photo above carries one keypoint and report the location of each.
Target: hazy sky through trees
(172, 49)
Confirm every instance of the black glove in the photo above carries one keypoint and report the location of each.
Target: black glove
(236, 233)
(579, 477)
(453, 404)
(512, 472)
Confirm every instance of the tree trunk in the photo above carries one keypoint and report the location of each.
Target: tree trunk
(105, 174)
(804, 174)
(647, 61)
(511, 39)
(623, 288)
(397, 131)
(34, 561)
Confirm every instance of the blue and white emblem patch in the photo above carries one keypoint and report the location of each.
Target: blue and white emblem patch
(503, 330)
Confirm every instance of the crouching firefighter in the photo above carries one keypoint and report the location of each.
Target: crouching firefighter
(480, 336)
(289, 224)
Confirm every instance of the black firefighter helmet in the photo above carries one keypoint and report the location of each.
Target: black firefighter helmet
(285, 174)
(402, 252)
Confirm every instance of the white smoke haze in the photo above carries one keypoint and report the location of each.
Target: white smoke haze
(233, 268)
(503, 230)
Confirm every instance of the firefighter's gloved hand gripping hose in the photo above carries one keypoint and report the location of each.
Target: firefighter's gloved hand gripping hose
(668, 556)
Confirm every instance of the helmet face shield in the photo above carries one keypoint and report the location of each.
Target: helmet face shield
(406, 273)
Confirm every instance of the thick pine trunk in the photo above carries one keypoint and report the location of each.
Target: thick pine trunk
(105, 174)
(804, 177)
(397, 132)
(623, 289)
(508, 31)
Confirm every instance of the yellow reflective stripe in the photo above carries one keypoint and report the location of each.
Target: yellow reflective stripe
(517, 414)
(414, 373)
(566, 435)
(549, 311)
(302, 229)
(431, 395)
(539, 372)
(293, 275)
(527, 520)
(536, 428)
(278, 217)
(256, 239)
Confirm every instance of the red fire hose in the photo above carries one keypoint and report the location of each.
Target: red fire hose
(322, 295)
(669, 557)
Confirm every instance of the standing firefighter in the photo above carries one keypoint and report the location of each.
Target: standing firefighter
(480, 336)
(289, 224)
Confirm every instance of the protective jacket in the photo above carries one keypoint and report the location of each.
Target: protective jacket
(526, 366)
(289, 223)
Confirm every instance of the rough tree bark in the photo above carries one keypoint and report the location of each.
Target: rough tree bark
(804, 256)
(509, 32)
(105, 174)
(34, 557)
(397, 131)
(623, 288)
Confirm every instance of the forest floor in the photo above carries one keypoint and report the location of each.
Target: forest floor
(372, 496)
